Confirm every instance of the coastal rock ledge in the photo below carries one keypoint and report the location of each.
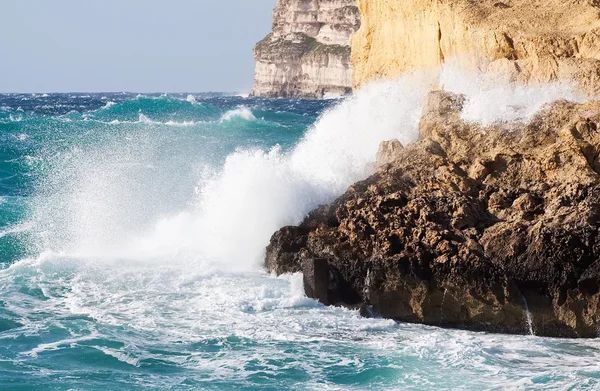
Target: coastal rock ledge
(484, 228)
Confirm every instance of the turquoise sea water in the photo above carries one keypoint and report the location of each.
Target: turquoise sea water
(132, 229)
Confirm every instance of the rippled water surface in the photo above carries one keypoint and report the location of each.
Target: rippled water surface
(132, 231)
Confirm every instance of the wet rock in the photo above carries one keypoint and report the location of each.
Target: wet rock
(463, 227)
(316, 279)
(388, 151)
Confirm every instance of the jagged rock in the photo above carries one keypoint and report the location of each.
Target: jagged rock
(307, 54)
(388, 151)
(463, 227)
(523, 40)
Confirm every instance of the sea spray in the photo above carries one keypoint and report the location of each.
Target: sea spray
(98, 305)
(118, 197)
(442, 304)
(492, 100)
(528, 316)
(259, 191)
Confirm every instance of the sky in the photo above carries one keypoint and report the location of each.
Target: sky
(130, 45)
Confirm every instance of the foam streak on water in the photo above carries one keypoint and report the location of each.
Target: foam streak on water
(134, 248)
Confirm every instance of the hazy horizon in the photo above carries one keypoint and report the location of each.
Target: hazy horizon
(133, 46)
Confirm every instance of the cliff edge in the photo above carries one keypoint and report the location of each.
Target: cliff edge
(526, 41)
(307, 54)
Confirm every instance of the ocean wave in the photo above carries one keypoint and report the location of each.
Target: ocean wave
(15, 229)
(109, 104)
(242, 112)
(147, 279)
(15, 118)
(61, 344)
(145, 120)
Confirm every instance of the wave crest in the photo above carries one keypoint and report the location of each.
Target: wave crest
(242, 112)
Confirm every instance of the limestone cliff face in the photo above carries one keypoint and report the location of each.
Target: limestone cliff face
(308, 52)
(526, 41)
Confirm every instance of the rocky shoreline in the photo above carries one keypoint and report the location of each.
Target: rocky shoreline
(484, 228)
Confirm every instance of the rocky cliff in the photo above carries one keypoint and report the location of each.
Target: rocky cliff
(528, 41)
(307, 54)
(486, 228)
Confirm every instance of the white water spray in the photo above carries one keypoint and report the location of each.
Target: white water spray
(239, 206)
(528, 316)
(442, 305)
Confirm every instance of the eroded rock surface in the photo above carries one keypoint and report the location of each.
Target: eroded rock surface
(468, 225)
(526, 41)
(307, 54)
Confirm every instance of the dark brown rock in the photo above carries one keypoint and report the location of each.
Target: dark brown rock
(465, 226)
(316, 279)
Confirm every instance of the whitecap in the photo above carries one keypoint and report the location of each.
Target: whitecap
(121, 356)
(43, 347)
(145, 120)
(242, 112)
(332, 95)
(180, 124)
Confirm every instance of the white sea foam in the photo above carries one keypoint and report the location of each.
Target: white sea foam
(491, 101)
(332, 95)
(256, 191)
(190, 98)
(189, 278)
(259, 191)
(15, 118)
(242, 112)
(180, 124)
(145, 120)
(58, 345)
(109, 104)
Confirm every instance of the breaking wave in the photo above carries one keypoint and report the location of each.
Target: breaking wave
(147, 226)
(241, 112)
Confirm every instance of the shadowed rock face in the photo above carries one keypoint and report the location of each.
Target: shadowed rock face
(468, 225)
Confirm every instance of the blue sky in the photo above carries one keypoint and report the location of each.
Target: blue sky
(130, 45)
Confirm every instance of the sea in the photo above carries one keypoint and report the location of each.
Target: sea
(132, 236)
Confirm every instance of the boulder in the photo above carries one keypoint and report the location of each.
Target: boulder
(470, 227)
